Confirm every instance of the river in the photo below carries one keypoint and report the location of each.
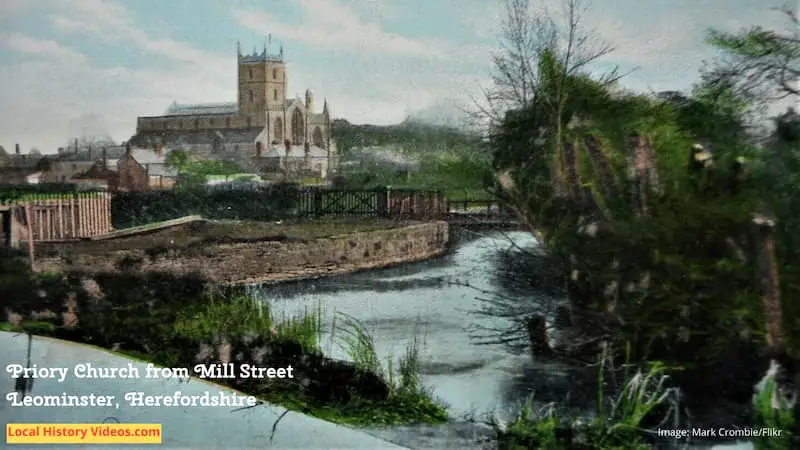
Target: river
(439, 302)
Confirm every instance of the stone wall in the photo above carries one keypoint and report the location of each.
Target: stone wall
(268, 261)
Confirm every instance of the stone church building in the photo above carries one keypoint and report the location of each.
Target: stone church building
(263, 117)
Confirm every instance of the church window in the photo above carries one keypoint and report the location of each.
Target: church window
(274, 74)
(252, 97)
(250, 73)
(275, 94)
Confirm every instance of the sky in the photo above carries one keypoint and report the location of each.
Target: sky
(75, 68)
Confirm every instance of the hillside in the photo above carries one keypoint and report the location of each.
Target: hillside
(410, 135)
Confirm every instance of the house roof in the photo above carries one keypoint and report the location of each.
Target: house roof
(91, 154)
(96, 172)
(147, 156)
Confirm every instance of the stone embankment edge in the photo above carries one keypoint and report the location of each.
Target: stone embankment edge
(269, 262)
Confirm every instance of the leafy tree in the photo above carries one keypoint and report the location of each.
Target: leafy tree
(178, 159)
(765, 64)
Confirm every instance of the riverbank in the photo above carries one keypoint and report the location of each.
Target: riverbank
(179, 322)
(237, 253)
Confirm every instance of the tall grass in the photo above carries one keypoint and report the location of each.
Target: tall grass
(408, 397)
(618, 424)
(240, 314)
(774, 415)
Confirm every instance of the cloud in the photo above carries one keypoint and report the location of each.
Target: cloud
(40, 48)
(334, 26)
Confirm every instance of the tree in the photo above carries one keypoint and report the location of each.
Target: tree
(541, 67)
(765, 64)
(178, 159)
(83, 142)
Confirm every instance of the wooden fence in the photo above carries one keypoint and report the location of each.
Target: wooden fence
(68, 216)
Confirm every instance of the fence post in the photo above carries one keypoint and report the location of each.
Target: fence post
(318, 205)
(389, 202)
(31, 250)
(73, 233)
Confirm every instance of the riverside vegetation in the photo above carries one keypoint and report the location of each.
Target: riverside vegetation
(179, 322)
(661, 213)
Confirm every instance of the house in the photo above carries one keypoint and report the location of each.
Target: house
(300, 160)
(69, 163)
(100, 175)
(136, 169)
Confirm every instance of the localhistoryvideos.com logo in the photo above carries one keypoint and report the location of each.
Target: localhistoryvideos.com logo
(97, 433)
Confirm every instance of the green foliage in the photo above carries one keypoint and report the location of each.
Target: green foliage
(271, 202)
(766, 416)
(450, 160)
(414, 137)
(701, 299)
(239, 314)
(38, 192)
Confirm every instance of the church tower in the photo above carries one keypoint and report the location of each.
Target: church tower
(262, 84)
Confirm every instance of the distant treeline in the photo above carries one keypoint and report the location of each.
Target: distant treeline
(407, 134)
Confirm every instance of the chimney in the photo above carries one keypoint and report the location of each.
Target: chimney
(16, 149)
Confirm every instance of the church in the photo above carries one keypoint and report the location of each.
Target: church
(263, 117)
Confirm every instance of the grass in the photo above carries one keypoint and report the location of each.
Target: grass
(234, 315)
(409, 398)
(239, 315)
(767, 416)
(618, 424)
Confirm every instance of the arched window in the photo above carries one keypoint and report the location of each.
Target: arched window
(180, 124)
(252, 97)
(197, 123)
(275, 94)
(318, 139)
(249, 122)
(274, 74)
(278, 131)
(228, 122)
(297, 127)
(250, 73)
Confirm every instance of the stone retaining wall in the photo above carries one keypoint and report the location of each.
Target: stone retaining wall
(268, 261)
